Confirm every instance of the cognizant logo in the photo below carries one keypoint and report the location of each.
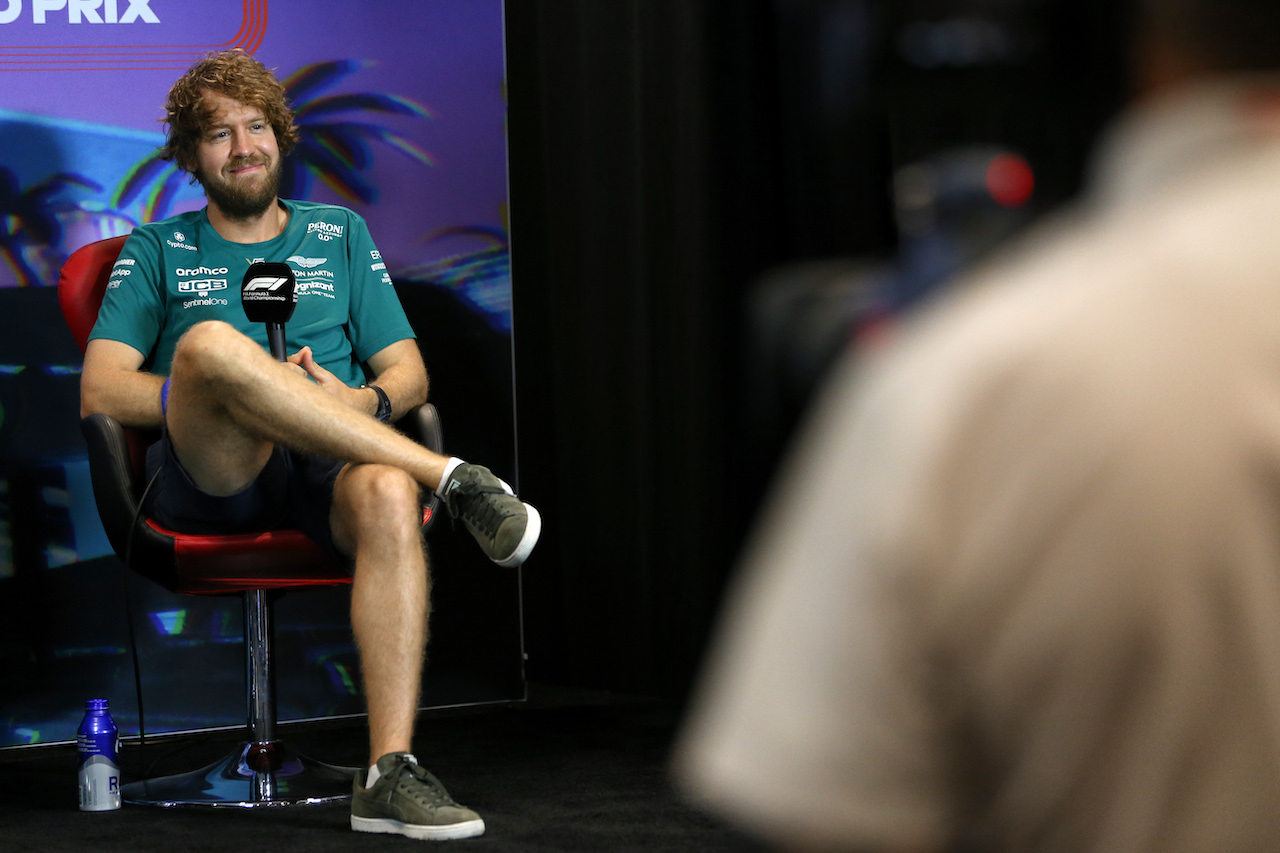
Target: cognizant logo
(81, 11)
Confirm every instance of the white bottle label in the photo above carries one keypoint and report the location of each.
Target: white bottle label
(99, 785)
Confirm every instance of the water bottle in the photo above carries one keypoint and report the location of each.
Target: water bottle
(98, 740)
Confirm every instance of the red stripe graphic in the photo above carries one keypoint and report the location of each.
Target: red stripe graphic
(253, 26)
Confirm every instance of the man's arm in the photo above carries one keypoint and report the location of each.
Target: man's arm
(111, 384)
(398, 370)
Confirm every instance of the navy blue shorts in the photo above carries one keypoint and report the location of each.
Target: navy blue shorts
(294, 490)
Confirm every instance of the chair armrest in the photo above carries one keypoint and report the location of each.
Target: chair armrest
(111, 471)
(422, 424)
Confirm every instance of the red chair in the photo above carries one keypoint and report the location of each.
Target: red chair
(263, 770)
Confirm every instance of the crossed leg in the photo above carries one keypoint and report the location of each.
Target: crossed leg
(230, 401)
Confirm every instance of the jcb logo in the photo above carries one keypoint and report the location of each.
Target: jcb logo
(201, 286)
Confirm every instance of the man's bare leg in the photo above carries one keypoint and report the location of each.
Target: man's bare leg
(229, 401)
(377, 517)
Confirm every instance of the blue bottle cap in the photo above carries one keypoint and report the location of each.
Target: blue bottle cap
(95, 704)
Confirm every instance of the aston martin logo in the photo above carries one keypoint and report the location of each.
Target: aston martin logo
(306, 263)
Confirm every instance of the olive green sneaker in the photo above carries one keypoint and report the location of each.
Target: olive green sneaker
(506, 528)
(407, 800)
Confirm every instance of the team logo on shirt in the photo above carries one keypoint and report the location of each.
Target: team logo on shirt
(313, 278)
(119, 272)
(181, 242)
(380, 265)
(203, 286)
(325, 230)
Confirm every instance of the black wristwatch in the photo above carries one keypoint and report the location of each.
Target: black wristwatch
(384, 404)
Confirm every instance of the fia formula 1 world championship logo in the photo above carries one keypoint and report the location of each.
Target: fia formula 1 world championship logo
(265, 283)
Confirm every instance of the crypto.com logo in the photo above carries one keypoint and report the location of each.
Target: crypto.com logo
(81, 11)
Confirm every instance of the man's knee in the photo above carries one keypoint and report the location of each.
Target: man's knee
(212, 350)
(380, 496)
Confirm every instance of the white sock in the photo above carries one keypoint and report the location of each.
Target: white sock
(453, 463)
(375, 774)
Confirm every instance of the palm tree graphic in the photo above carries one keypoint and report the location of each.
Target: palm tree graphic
(30, 217)
(332, 150)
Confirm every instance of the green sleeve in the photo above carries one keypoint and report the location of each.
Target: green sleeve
(377, 319)
(133, 310)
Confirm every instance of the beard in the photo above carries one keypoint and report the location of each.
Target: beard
(243, 200)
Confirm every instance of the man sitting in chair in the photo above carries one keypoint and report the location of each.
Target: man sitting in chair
(249, 443)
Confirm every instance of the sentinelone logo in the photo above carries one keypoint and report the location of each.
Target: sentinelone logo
(81, 11)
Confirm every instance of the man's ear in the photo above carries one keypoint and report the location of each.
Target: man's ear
(193, 179)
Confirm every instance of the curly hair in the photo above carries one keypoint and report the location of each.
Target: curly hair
(237, 75)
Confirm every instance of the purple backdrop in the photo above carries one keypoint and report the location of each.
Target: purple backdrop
(81, 95)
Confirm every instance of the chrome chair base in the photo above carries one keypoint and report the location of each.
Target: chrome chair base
(252, 776)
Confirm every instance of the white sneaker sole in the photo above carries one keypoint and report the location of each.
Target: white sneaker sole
(389, 826)
(532, 530)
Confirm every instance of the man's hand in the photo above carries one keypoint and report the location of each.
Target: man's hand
(352, 397)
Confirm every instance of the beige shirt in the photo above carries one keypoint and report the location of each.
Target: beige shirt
(1020, 588)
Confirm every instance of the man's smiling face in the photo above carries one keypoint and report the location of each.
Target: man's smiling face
(238, 160)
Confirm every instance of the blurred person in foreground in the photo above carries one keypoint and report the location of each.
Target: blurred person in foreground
(1021, 588)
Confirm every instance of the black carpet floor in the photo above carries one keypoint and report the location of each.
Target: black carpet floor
(561, 772)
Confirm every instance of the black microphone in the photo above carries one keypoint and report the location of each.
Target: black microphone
(269, 295)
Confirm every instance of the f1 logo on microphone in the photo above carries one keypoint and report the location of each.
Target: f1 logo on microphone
(267, 283)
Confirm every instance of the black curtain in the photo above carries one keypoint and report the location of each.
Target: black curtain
(665, 154)
(627, 279)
